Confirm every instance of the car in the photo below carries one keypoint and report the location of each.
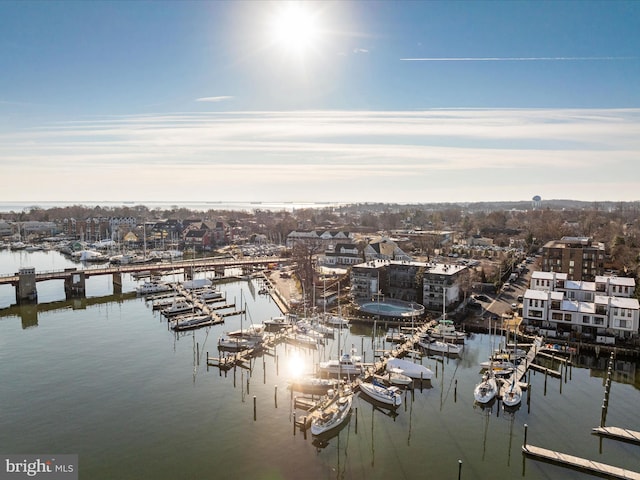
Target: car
(514, 306)
(482, 298)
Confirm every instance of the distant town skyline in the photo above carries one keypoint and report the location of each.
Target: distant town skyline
(393, 102)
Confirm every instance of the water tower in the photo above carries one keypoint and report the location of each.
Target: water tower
(537, 201)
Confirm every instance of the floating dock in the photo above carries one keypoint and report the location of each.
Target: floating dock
(618, 433)
(578, 463)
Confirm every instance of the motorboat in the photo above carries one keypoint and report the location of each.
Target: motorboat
(334, 415)
(276, 324)
(434, 345)
(191, 322)
(409, 368)
(377, 391)
(314, 385)
(486, 390)
(177, 308)
(345, 365)
(446, 331)
(336, 321)
(396, 377)
(150, 287)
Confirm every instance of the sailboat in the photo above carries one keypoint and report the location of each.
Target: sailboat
(390, 396)
(338, 410)
(334, 415)
(512, 395)
(485, 391)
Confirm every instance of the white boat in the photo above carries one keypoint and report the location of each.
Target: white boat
(192, 322)
(308, 326)
(90, 256)
(336, 321)
(236, 344)
(153, 287)
(177, 308)
(408, 368)
(512, 394)
(486, 390)
(333, 416)
(345, 365)
(276, 324)
(445, 330)
(434, 345)
(396, 377)
(209, 294)
(388, 395)
(311, 384)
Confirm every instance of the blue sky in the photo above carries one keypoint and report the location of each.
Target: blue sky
(368, 101)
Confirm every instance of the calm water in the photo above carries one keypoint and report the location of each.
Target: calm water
(109, 381)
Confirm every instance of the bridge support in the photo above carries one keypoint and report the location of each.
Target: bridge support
(188, 272)
(26, 289)
(117, 282)
(74, 285)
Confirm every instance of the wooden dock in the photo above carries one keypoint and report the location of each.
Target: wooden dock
(618, 433)
(521, 369)
(578, 463)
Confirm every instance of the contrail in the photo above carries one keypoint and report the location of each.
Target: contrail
(511, 59)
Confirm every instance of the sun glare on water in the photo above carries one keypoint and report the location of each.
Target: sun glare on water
(294, 27)
(296, 366)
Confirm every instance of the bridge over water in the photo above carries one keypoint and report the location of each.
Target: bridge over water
(74, 278)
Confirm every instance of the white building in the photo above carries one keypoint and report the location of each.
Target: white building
(590, 310)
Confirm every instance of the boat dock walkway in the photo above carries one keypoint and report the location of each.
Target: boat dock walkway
(618, 433)
(578, 463)
(521, 369)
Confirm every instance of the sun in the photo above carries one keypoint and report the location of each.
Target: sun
(294, 27)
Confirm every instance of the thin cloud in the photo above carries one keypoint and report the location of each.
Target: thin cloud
(273, 150)
(221, 98)
(512, 59)
(360, 50)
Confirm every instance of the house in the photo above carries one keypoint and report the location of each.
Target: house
(344, 254)
(384, 249)
(320, 240)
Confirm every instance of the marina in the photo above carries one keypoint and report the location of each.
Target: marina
(153, 387)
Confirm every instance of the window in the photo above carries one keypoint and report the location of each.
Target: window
(556, 316)
(622, 324)
(598, 321)
(585, 319)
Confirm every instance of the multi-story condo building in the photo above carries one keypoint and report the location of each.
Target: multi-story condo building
(420, 282)
(581, 309)
(579, 257)
(441, 285)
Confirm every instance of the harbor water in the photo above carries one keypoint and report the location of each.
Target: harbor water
(105, 378)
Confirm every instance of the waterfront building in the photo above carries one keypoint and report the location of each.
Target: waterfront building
(579, 257)
(594, 310)
(420, 282)
(344, 254)
(440, 278)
